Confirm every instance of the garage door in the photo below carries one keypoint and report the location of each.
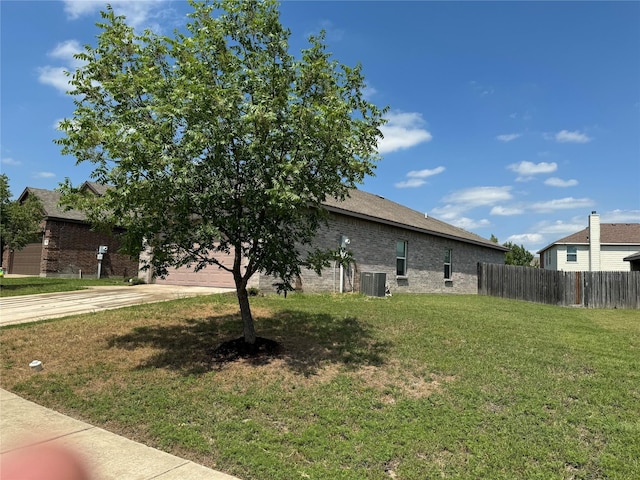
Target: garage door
(210, 276)
(27, 260)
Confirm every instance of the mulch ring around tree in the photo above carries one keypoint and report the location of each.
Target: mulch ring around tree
(262, 351)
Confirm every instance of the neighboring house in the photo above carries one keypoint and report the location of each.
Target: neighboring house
(417, 253)
(69, 247)
(599, 247)
(634, 262)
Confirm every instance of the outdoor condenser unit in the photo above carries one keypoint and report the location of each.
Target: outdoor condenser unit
(373, 283)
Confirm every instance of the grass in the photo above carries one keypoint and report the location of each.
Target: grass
(10, 287)
(408, 387)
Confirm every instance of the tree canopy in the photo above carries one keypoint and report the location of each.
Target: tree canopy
(217, 139)
(19, 222)
(517, 255)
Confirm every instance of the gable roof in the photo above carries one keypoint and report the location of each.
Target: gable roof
(95, 188)
(610, 234)
(358, 204)
(50, 202)
(375, 208)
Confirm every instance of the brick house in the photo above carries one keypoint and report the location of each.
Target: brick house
(69, 246)
(418, 254)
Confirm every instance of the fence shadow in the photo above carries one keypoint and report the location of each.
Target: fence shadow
(307, 342)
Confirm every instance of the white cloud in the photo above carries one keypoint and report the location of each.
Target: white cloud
(425, 173)
(506, 211)
(11, 161)
(565, 136)
(507, 137)
(562, 204)
(44, 175)
(449, 212)
(621, 216)
(368, 92)
(521, 238)
(402, 130)
(558, 182)
(416, 178)
(560, 228)
(459, 202)
(138, 12)
(55, 76)
(479, 196)
(526, 169)
(411, 183)
(470, 224)
(66, 52)
(453, 214)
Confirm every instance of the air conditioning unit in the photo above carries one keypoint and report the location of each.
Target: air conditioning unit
(373, 283)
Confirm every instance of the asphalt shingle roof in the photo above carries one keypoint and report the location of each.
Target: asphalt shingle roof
(376, 208)
(359, 204)
(50, 201)
(610, 233)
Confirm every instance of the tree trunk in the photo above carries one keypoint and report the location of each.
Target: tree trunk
(243, 297)
(245, 312)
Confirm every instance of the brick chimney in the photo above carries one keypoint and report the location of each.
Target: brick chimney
(594, 242)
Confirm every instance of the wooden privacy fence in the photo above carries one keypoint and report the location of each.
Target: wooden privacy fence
(588, 289)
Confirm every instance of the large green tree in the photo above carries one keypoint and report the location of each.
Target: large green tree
(217, 139)
(517, 255)
(19, 222)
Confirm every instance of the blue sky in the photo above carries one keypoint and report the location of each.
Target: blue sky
(509, 118)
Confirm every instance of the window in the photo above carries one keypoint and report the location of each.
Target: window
(572, 254)
(401, 259)
(447, 264)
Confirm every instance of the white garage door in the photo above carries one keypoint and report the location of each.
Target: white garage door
(210, 276)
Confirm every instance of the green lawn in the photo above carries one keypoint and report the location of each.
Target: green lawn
(32, 285)
(407, 387)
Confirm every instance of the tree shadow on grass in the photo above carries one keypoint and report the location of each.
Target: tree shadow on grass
(305, 342)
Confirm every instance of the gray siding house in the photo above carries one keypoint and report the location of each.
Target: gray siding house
(417, 253)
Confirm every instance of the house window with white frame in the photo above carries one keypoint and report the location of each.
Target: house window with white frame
(572, 253)
(447, 264)
(401, 258)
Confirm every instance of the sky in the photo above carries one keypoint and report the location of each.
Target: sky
(516, 119)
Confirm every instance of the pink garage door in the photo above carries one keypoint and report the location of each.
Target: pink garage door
(210, 276)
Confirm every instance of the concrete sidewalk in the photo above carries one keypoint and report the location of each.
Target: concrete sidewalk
(109, 456)
(30, 308)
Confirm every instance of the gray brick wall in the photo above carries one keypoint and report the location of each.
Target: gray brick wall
(373, 246)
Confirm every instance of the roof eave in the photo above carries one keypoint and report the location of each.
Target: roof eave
(410, 227)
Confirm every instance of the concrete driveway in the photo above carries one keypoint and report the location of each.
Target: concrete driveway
(30, 308)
